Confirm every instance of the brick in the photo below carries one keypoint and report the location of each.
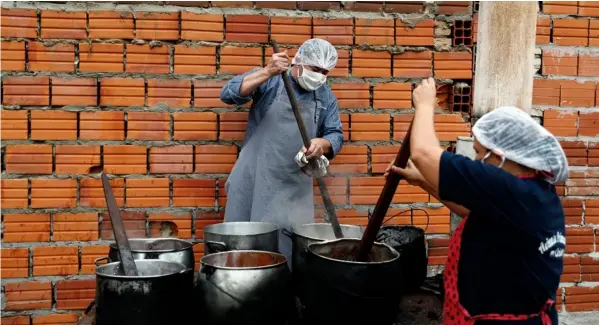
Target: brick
(102, 125)
(560, 123)
(165, 224)
(454, 7)
(571, 32)
(593, 158)
(111, 24)
(63, 24)
(337, 188)
(393, 95)
(580, 299)
(374, 6)
(28, 295)
(215, 159)
(157, 25)
(580, 240)
(15, 263)
(583, 183)
(588, 65)
(14, 193)
(448, 127)
(194, 192)
(453, 65)
(207, 93)
(461, 98)
(352, 95)
(195, 60)
(346, 216)
(588, 8)
(53, 125)
(75, 226)
(99, 57)
(443, 96)
(371, 64)
(571, 271)
(546, 92)
(88, 255)
(125, 159)
(26, 228)
(420, 33)
(13, 56)
(237, 60)
(336, 31)
(572, 210)
(342, 67)
(222, 192)
(53, 193)
(30, 91)
(576, 152)
(14, 124)
(344, 117)
(233, 4)
(543, 30)
(366, 190)
(75, 294)
(350, 160)
(465, 31)
(207, 218)
(374, 31)
(146, 59)
(174, 93)
(16, 320)
(146, 193)
(559, 63)
(122, 92)
(233, 125)
(589, 268)
(55, 58)
(591, 212)
(588, 124)
(594, 31)
(134, 223)
(370, 127)
(18, 23)
(320, 5)
(195, 126)
(574, 93)
(171, 160)
(91, 192)
(291, 52)
(437, 251)
(148, 126)
(291, 30)
(29, 159)
(76, 159)
(48, 260)
(276, 4)
(413, 64)
(246, 28)
(202, 27)
(404, 6)
(382, 156)
(74, 91)
(55, 319)
(560, 7)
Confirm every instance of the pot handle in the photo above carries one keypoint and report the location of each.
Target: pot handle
(97, 260)
(286, 232)
(216, 246)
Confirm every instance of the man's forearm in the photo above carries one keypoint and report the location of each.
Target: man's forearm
(252, 81)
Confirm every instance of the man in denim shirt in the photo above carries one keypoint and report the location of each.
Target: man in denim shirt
(267, 184)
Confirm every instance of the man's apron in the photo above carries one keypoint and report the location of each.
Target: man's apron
(266, 184)
(453, 312)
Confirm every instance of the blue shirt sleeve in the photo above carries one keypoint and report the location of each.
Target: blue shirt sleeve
(332, 129)
(229, 94)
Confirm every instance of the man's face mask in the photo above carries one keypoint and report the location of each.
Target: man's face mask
(310, 80)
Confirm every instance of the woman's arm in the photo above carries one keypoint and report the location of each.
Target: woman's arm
(454, 207)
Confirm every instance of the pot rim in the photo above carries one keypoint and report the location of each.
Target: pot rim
(203, 263)
(322, 243)
(208, 230)
(296, 228)
(139, 277)
(113, 245)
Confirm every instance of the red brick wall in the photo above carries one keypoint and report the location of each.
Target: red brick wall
(137, 89)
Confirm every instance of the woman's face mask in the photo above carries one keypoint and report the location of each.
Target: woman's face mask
(310, 80)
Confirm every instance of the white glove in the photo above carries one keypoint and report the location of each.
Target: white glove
(303, 162)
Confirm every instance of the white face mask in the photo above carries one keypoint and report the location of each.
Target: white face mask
(310, 80)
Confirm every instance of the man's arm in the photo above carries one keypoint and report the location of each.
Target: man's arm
(332, 130)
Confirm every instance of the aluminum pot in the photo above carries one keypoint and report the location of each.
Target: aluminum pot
(227, 236)
(244, 287)
(161, 294)
(164, 249)
(335, 283)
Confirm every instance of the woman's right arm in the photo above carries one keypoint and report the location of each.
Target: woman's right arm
(454, 207)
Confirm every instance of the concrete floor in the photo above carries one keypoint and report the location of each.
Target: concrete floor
(587, 318)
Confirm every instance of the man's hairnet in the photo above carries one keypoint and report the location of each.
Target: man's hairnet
(318, 53)
(522, 140)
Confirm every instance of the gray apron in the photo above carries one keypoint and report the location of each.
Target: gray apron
(266, 184)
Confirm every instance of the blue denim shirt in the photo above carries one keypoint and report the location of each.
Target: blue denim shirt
(327, 111)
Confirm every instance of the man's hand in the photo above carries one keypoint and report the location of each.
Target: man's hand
(410, 173)
(279, 63)
(425, 94)
(318, 147)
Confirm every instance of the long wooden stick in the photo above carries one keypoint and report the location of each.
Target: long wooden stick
(382, 205)
(328, 204)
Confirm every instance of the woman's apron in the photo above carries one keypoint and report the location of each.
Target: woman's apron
(453, 312)
(266, 184)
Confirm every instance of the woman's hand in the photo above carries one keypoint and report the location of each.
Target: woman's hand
(425, 94)
(410, 173)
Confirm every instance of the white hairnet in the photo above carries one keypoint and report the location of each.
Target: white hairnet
(318, 53)
(521, 139)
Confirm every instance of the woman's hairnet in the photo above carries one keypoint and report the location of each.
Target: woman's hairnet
(521, 139)
(318, 53)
